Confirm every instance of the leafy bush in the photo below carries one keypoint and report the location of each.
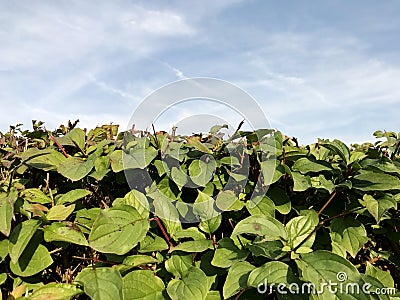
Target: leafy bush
(78, 220)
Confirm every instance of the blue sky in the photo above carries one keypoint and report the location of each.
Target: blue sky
(328, 69)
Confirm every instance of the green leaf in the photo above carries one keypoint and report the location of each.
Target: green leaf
(116, 161)
(349, 233)
(142, 285)
(213, 295)
(6, 213)
(193, 246)
(137, 200)
(321, 267)
(280, 199)
(138, 157)
(227, 253)
(151, 244)
(62, 232)
(273, 272)
(260, 225)
(227, 201)
(211, 225)
(192, 285)
(305, 165)
(194, 141)
(75, 137)
(117, 230)
(46, 160)
(261, 206)
(217, 128)
(300, 227)
(237, 278)
(179, 263)
(20, 238)
(269, 249)
(384, 277)
(85, 218)
(133, 261)
(373, 181)
(101, 283)
(72, 196)
(33, 260)
(339, 148)
(75, 168)
(3, 250)
(60, 212)
(55, 291)
(202, 172)
(377, 208)
(166, 211)
(301, 182)
(35, 196)
(179, 177)
(3, 278)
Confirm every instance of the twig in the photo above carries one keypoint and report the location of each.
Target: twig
(59, 145)
(164, 232)
(327, 202)
(240, 294)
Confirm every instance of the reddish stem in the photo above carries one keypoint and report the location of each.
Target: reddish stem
(164, 232)
(59, 146)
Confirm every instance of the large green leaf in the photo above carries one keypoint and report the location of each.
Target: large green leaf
(373, 181)
(305, 165)
(179, 263)
(142, 285)
(64, 232)
(280, 199)
(101, 283)
(227, 253)
(72, 196)
(192, 285)
(260, 225)
(237, 278)
(55, 291)
(34, 259)
(322, 267)
(193, 246)
(75, 168)
(118, 229)
(273, 272)
(6, 213)
(194, 141)
(301, 182)
(152, 243)
(300, 227)
(338, 148)
(137, 200)
(133, 261)
(349, 233)
(201, 172)
(377, 208)
(75, 137)
(34, 195)
(227, 200)
(20, 238)
(261, 205)
(46, 159)
(60, 212)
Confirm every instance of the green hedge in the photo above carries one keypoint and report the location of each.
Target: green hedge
(104, 215)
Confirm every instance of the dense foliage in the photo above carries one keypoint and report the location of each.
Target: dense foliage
(75, 219)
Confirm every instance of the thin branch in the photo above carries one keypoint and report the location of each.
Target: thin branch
(327, 202)
(164, 232)
(59, 145)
